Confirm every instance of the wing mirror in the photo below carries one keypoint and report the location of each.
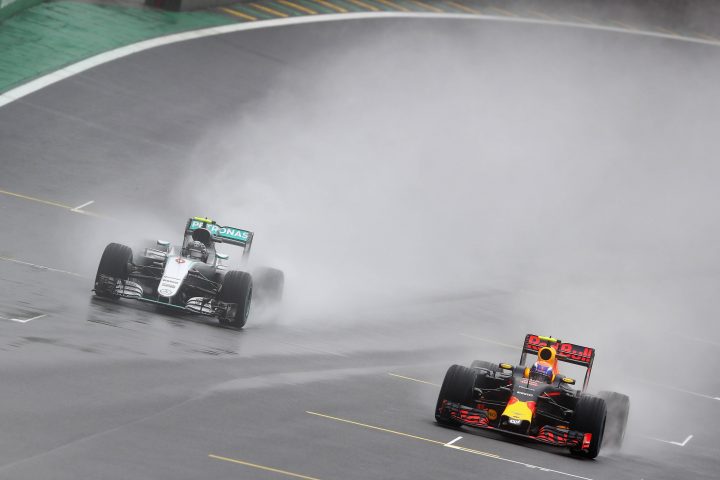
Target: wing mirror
(569, 381)
(222, 256)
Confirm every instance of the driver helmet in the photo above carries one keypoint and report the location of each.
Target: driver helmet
(542, 372)
(197, 250)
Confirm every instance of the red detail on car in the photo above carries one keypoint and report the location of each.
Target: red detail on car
(531, 406)
(587, 438)
(512, 400)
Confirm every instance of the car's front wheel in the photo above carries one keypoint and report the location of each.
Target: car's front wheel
(114, 265)
(457, 387)
(236, 289)
(589, 417)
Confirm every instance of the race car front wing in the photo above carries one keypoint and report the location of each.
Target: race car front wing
(129, 289)
(547, 434)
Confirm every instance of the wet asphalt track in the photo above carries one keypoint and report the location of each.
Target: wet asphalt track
(99, 390)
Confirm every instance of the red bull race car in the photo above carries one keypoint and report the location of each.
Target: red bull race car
(535, 402)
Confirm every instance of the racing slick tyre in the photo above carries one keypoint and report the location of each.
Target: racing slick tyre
(236, 288)
(618, 411)
(114, 264)
(589, 417)
(493, 367)
(457, 387)
(269, 284)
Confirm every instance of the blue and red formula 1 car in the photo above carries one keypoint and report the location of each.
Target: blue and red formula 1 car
(535, 402)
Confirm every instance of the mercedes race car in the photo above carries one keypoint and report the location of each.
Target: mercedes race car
(192, 277)
(535, 402)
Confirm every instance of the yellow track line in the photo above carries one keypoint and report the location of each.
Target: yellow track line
(450, 445)
(269, 10)
(297, 7)
(364, 5)
(373, 427)
(41, 267)
(39, 200)
(427, 7)
(337, 8)
(237, 14)
(464, 8)
(48, 202)
(261, 467)
(393, 5)
(413, 379)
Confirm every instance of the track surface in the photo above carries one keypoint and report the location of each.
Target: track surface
(94, 389)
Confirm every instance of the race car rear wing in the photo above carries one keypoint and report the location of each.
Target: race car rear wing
(566, 352)
(221, 234)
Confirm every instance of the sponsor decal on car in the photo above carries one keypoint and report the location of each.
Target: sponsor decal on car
(168, 286)
(223, 232)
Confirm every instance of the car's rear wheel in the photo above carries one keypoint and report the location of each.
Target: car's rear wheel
(618, 411)
(457, 387)
(589, 417)
(237, 288)
(114, 265)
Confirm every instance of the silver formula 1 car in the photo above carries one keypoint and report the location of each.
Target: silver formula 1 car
(192, 277)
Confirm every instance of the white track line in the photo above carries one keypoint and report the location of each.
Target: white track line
(452, 441)
(701, 340)
(26, 320)
(529, 465)
(41, 267)
(105, 57)
(679, 444)
(79, 208)
(413, 379)
(681, 390)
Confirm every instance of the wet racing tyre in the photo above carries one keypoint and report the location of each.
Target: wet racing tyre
(618, 411)
(589, 417)
(457, 387)
(237, 288)
(114, 264)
